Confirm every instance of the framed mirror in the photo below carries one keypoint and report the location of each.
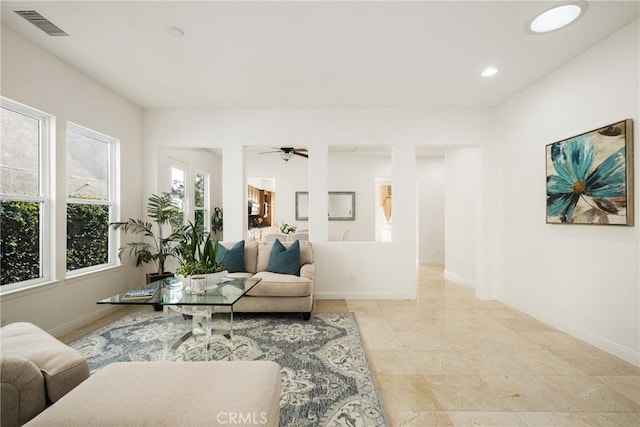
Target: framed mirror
(342, 206)
(302, 206)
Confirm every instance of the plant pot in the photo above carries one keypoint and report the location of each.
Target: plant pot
(214, 278)
(154, 277)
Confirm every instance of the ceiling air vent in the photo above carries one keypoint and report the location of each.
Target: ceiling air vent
(41, 22)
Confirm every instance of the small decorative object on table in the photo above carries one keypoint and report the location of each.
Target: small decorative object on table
(198, 284)
(142, 293)
(287, 228)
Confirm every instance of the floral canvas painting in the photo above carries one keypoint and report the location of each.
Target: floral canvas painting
(590, 177)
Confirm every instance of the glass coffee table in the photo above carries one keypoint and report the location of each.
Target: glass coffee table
(171, 293)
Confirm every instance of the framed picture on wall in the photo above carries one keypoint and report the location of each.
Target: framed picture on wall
(590, 177)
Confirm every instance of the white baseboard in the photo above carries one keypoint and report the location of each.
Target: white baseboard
(431, 262)
(363, 295)
(485, 296)
(83, 320)
(460, 280)
(589, 337)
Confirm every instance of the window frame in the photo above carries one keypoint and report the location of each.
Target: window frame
(46, 141)
(113, 192)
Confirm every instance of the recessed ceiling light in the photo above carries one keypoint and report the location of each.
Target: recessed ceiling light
(488, 72)
(175, 32)
(557, 17)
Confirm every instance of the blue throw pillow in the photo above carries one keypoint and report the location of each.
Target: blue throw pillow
(232, 258)
(285, 260)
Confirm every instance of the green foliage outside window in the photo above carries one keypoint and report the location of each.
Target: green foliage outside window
(87, 235)
(87, 239)
(199, 191)
(20, 241)
(199, 217)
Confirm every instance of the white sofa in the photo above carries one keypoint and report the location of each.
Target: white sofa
(276, 292)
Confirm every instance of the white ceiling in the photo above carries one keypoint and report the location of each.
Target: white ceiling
(324, 54)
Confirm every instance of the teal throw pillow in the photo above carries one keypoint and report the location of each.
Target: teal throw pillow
(233, 258)
(285, 260)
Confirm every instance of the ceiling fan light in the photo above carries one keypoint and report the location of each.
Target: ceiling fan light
(286, 155)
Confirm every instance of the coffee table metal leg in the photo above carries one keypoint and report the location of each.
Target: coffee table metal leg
(231, 330)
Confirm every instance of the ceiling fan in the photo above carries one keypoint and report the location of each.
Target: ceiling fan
(287, 152)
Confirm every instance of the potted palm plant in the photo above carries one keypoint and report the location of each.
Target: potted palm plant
(160, 242)
(198, 255)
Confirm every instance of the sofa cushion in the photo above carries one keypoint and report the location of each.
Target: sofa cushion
(63, 367)
(281, 285)
(232, 256)
(251, 256)
(284, 260)
(306, 253)
(264, 253)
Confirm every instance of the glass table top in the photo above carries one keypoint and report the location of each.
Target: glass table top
(172, 291)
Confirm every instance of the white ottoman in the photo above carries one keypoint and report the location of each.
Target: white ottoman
(172, 394)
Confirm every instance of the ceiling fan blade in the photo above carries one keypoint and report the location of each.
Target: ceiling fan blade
(302, 152)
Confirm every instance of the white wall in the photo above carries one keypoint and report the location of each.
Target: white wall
(430, 170)
(461, 196)
(34, 77)
(583, 279)
(381, 270)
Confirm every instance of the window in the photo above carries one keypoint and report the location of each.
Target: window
(24, 195)
(91, 159)
(201, 201)
(178, 190)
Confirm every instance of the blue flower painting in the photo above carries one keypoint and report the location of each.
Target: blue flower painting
(588, 176)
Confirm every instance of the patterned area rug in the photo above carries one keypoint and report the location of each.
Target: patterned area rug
(326, 380)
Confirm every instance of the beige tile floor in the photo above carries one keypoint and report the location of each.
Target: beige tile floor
(449, 359)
